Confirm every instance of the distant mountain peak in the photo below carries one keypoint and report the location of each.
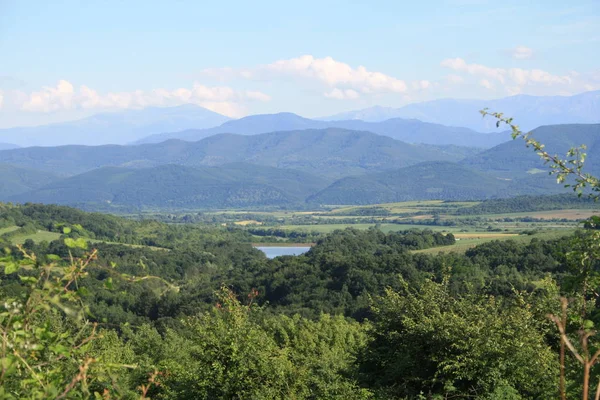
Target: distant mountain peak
(528, 111)
(119, 127)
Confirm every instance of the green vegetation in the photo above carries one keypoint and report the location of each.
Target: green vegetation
(284, 170)
(176, 186)
(425, 181)
(17, 180)
(327, 152)
(362, 315)
(182, 306)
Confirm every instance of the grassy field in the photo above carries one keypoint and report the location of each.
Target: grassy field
(571, 215)
(39, 236)
(8, 229)
(465, 244)
(327, 228)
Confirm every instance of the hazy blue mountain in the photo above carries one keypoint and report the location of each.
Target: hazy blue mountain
(326, 152)
(177, 186)
(529, 112)
(432, 180)
(114, 128)
(411, 131)
(513, 159)
(15, 180)
(8, 146)
(370, 114)
(251, 125)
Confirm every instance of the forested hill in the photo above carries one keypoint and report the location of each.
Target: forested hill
(212, 317)
(514, 159)
(176, 186)
(284, 169)
(14, 180)
(329, 152)
(407, 130)
(434, 180)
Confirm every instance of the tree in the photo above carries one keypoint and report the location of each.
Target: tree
(584, 258)
(429, 343)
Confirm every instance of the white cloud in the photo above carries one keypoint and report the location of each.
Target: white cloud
(518, 80)
(337, 74)
(522, 53)
(1, 98)
(486, 84)
(458, 64)
(325, 71)
(51, 98)
(347, 94)
(64, 96)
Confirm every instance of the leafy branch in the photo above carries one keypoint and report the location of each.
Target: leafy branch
(571, 166)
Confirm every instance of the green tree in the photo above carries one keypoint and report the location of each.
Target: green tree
(584, 260)
(428, 343)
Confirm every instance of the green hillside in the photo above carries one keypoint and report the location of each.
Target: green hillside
(327, 152)
(178, 186)
(17, 180)
(433, 180)
(513, 159)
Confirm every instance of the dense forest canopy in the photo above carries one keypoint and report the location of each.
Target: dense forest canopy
(361, 315)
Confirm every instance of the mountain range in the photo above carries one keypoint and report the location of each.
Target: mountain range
(530, 111)
(8, 146)
(15, 180)
(332, 153)
(328, 166)
(410, 131)
(439, 122)
(507, 170)
(114, 128)
(177, 186)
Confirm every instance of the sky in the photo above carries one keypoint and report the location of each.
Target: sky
(64, 60)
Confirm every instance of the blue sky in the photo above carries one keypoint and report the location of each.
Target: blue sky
(67, 59)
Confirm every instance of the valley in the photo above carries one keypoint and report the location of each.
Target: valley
(316, 200)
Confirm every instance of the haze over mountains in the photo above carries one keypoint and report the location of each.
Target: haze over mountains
(283, 159)
(8, 146)
(114, 128)
(332, 153)
(440, 122)
(530, 111)
(177, 186)
(411, 131)
(314, 167)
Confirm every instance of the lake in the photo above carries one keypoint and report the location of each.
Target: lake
(276, 251)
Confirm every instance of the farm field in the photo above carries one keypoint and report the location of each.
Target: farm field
(328, 228)
(466, 243)
(39, 236)
(571, 215)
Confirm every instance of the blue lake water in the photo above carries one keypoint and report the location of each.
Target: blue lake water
(272, 252)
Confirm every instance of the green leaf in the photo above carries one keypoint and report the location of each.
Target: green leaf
(66, 230)
(28, 279)
(80, 243)
(10, 268)
(108, 283)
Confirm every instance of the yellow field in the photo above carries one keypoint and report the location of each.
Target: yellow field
(248, 222)
(482, 235)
